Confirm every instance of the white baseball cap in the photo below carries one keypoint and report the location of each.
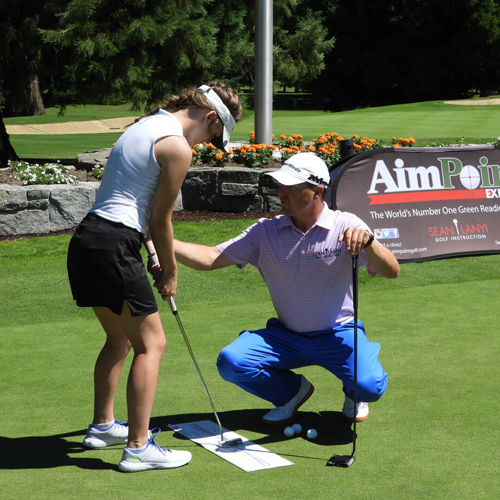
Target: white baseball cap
(225, 116)
(302, 167)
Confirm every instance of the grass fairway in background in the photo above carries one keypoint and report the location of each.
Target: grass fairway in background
(433, 435)
(427, 122)
(65, 147)
(79, 112)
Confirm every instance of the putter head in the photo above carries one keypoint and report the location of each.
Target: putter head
(230, 443)
(340, 461)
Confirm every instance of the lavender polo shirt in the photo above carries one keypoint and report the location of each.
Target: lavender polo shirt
(309, 275)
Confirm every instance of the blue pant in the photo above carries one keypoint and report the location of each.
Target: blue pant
(261, 361)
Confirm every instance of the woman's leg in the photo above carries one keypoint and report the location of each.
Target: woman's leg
(109, 365)
(146, 336)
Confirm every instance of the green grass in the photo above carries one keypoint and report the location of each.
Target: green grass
(76, 113)
(60, 146)
(433, 435)
(427, 122)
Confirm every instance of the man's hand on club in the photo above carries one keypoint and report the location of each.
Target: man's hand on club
(355, 239)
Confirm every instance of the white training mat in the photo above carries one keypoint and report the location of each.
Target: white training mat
(247, 456)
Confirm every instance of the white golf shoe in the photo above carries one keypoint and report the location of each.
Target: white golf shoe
(116, 433)
(361, 407)
(283, 414)
(152, 457)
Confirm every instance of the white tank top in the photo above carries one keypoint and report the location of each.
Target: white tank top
(131, 176)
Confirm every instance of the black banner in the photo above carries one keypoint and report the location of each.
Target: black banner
(424, 203)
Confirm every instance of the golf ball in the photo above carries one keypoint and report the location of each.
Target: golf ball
(312, 434)
(289, 432)
(297, 428)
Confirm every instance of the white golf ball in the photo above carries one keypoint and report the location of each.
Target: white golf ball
(312, 434)
(297, 428)
(289, 432)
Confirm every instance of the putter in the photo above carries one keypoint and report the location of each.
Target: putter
(223, 443)
(347, 460)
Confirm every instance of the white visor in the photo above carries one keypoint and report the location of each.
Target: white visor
(224, 114)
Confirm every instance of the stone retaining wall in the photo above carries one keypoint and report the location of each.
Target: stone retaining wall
(43, 209)
(52, 208)
(229, 189)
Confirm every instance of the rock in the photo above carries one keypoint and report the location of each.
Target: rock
(235, 189)
(239, 175)
(25, 222)
(12, 198)
(90, 159)
(200, 189)
(70, 204)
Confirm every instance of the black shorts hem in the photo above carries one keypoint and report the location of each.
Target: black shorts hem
(134, 311)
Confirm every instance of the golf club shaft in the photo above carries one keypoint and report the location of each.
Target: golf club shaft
(355, 313)
(188, 345)
(346, 460)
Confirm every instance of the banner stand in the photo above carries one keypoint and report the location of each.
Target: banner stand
(424, 203)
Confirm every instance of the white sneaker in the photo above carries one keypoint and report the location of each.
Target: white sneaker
(116, 433)
(285, 413)
(152, 457)
(361, 413)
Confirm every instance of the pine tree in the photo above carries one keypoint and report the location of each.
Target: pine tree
(21, 55)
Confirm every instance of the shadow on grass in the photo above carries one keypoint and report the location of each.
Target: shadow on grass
(47, 452)
(333, 429)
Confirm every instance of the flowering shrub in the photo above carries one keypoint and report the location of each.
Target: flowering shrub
(207, 153)
(295, 140)
(363, 143)
(402, 142)
(254, 155)
(97, 172)
(328, 147)
(49, 173)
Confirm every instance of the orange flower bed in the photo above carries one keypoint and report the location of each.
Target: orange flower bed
(252, 155)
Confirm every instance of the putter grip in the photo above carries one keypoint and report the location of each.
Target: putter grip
(172, 305)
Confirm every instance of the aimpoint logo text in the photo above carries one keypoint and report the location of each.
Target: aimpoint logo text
(449, 180)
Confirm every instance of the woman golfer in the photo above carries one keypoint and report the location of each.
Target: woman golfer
(134, 205)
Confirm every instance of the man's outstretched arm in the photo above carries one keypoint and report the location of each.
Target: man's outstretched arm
(200, 257)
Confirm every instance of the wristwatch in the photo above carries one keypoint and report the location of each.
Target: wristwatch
(370, 239)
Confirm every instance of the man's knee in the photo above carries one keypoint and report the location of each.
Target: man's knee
(227, 364)
(234, 366)
(371, 389)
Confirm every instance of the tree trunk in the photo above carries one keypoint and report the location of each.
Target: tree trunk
(6, 150)
(24, 97)
(36, 101)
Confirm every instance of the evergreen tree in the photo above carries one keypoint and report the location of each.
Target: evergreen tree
(134, 50)
(409, 50)
(21, 55)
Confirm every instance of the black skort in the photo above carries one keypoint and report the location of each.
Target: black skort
(105, 267)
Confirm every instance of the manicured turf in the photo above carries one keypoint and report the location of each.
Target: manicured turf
(79, 112)
(426, 122)
(433, 435)
(61, 146)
